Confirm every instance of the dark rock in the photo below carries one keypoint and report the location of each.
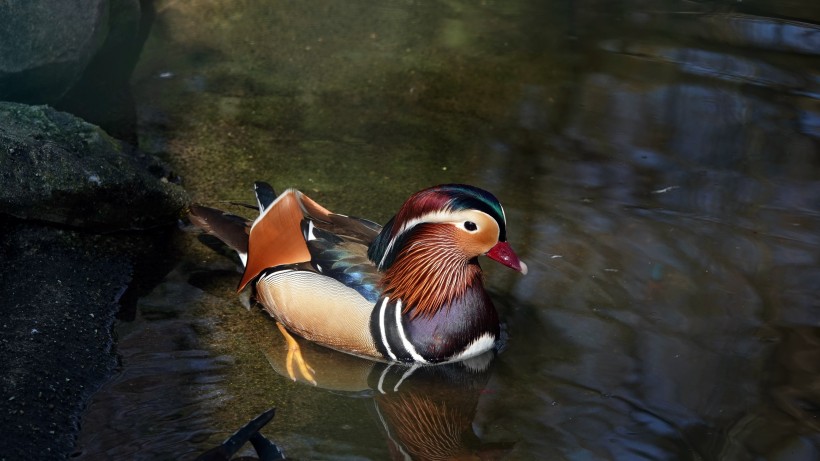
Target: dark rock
(45, 45)
(61, 290)
(102, 95)
(56, 168)
(76, 55)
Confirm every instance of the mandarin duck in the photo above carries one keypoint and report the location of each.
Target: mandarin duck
(411, 291)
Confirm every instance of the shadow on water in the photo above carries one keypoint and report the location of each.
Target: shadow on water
(659, 167)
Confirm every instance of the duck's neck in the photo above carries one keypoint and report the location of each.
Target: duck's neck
(430, 272)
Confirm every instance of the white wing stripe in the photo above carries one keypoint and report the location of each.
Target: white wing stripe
(382, 328)
(408, 346)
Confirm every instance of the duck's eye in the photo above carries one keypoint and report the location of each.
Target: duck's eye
(470, 226)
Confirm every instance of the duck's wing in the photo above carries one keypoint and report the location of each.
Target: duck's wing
(280, 236)
(339, 250)
(276, 237)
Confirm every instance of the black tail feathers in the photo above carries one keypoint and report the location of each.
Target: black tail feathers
(231, 229)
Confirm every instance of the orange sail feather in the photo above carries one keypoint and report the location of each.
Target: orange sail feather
(276, 235)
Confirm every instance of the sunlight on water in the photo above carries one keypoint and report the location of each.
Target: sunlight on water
(659, 171)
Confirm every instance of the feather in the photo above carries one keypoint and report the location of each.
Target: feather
(344, 259)
(265, 195)
(430, 271)
(276, 235)
(231, 229)
(429, 205)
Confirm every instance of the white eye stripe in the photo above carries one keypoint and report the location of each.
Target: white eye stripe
(443, 216)
(436, 216)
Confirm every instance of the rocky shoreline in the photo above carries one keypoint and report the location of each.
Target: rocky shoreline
(84, 216)
(61, 290)
(82, 213)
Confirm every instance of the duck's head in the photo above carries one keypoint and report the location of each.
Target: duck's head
(462, 221)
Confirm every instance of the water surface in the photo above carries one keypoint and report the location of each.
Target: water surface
(659, 166)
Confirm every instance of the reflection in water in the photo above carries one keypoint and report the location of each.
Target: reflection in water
(683, 242)
(160, 402)
(425, 412)
(661, 161)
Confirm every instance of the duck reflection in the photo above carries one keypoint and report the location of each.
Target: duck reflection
(425, 412)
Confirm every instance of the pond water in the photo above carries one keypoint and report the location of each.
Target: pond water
(659, 164)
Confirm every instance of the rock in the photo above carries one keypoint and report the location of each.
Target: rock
(61, 290)
(102, 95)
(45, 45)
(57, 168)
(62, 286)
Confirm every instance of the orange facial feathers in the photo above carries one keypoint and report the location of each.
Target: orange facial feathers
(430, 272)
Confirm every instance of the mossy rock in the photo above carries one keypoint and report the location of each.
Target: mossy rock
(55, 167)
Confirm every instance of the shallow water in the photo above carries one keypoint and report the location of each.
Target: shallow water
(659, 166)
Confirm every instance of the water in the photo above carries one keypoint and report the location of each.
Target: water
(659, 166)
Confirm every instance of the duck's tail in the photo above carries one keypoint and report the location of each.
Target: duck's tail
(233, 230)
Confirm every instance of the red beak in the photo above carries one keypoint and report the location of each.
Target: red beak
(503, 253)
